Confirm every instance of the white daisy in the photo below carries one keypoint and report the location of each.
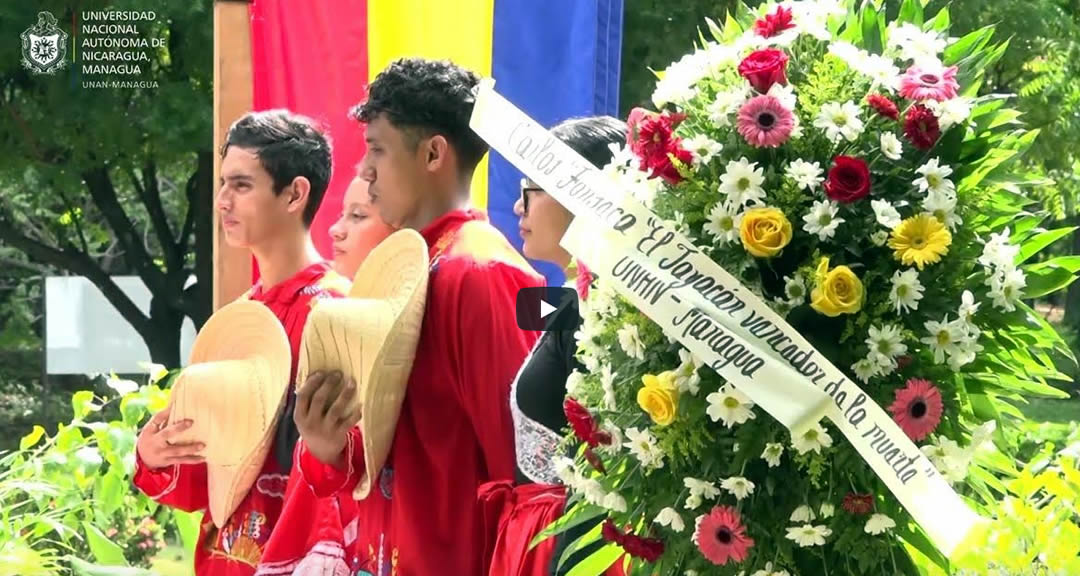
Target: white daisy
(968, 307)
(642, 444)
(885, 213)
(616, 444)
(723, 223)
(886, 342)
(785, 93)
(738, 486)
(906, 291)
(807, 175)
(574, 382)
(891, 147)
(822, 219)
(741, 182)
(827, 510)
(700, 490)
(943, 338)
(592, 490)
(729, 405)
(803, 513)
(614, 502)
(915, 44)
(686, 375)
(607, 384)
(966, 351)
(678, 83)
(813, 439)
(949, 458)
(725, 105)
(1007, 287)
(879, 524)
(670, 518)
(768, 571)
(807, 535)
(795, 289)
(880, 237)
(998, 252)
(772, 453)
(935, 178)
(565, 470)
(630, 341)
(840, 121)
(950, 112)
(703, 148)
(866, 368)
(942, 205)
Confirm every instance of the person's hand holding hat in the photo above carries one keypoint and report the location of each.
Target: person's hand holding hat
(326, 408)
(157, 448)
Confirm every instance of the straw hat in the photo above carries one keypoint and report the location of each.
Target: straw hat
(371, 336)
(232, 391)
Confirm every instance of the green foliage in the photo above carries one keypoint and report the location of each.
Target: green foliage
(98, 182)
(67, 498)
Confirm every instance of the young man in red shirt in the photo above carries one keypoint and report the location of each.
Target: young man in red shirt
(274, 172)
(455, 432)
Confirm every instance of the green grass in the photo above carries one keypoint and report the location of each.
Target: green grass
(173, 560)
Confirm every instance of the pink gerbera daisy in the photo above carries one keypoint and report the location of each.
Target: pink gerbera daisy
(917, 408)
(929, 83)
(764, 122)
(721, 536)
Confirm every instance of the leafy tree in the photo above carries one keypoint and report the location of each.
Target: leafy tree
(98, 182)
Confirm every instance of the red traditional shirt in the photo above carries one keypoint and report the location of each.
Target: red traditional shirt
(237, 547)
(455, 431)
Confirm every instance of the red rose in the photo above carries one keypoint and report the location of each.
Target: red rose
(584, 424)
(584, 280)
(763, 68)
(858, 504)
(661, 164)
(921, 127)
(648, 549)
(775, 23)
(611, 533)
(883, 106)
(849, 180)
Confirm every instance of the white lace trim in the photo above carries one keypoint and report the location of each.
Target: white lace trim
(535, 444)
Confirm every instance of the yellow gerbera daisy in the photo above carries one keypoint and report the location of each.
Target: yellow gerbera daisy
(920, 240)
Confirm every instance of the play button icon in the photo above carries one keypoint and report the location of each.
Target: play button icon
(547, 309)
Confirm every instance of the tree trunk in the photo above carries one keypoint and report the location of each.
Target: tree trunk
(163, 340)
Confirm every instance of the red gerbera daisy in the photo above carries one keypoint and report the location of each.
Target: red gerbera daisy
(721, 537)
(858, 504)
(921, 127)
(917, 408)
(775, 23)
(883, 106)
(583, 281)
(648, 549)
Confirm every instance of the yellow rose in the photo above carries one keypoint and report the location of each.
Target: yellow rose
(837, 291)
(764, 231)
(659, 397)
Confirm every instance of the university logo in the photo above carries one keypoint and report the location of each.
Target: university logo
(44, 46)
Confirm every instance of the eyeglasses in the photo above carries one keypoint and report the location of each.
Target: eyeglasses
(525, 190)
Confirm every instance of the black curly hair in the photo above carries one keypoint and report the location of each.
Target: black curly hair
(288, 145)
(424, 98)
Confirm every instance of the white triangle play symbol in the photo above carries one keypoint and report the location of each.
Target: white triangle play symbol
(546, 309)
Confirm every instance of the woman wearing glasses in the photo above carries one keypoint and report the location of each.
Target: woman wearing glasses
(537, 498)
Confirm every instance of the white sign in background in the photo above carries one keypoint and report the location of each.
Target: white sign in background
(84, 333)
